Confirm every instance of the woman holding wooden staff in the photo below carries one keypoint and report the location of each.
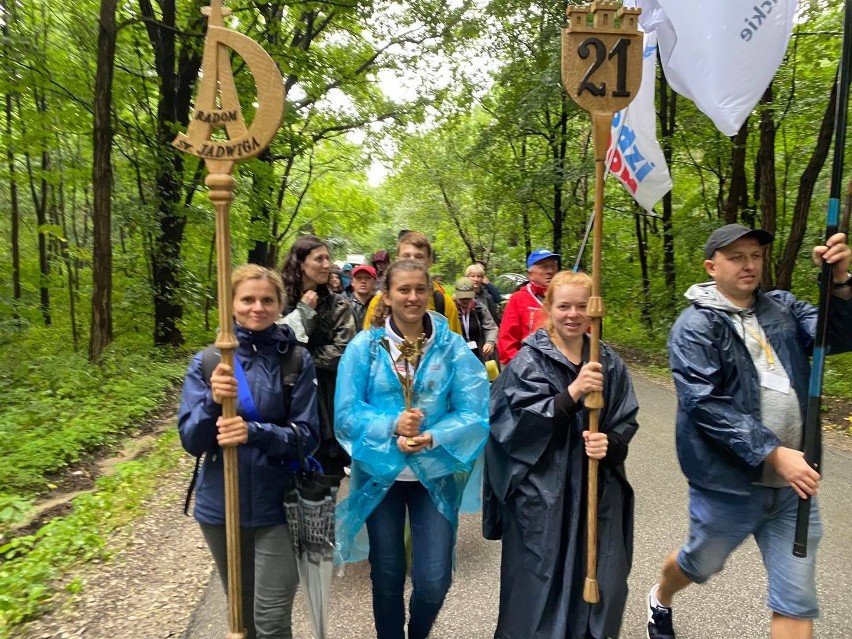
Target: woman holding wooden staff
(264, 430)
(536, 473)
(411, 409)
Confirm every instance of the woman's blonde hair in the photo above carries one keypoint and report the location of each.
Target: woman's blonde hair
(256, 272)
(561, 279)
(474, 269)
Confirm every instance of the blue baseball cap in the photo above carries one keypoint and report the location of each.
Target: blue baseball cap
(346, 267)
(538, 255)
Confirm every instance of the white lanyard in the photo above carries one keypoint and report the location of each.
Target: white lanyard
(465, 320)
(533, 295)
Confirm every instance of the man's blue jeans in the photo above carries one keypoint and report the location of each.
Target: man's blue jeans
(432, 538)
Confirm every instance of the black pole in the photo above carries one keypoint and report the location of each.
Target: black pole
(811, 435)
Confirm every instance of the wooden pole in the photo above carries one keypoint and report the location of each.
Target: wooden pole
(594, 401)
(217, 106)
(221, 185)
(602, 88)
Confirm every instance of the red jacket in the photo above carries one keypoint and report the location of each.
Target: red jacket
(523, 315)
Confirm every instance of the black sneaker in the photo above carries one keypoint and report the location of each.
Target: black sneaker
(659, 620)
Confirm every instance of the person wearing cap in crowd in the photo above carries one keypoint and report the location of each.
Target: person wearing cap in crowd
(478, 327)
(476, 272)
(346, 277)
(380, 262)
(739, 358)
(363, 289)
(416, 246)
(524, 313)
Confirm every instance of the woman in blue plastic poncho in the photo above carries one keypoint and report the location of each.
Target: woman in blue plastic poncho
(416, 460)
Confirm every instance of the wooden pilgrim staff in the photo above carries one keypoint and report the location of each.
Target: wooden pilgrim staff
(217, 106)
(601, 72)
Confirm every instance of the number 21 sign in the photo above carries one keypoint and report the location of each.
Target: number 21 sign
(601, 61)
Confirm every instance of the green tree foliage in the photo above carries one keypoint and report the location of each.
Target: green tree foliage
(523, 150)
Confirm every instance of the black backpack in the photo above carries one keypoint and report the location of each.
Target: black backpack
(291, 368)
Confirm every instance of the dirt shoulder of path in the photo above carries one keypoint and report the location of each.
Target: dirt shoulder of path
(157, 567)
(149, 587)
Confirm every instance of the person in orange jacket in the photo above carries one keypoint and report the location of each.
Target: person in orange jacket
(416, 246)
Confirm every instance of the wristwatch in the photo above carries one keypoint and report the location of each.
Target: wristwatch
(845, 284)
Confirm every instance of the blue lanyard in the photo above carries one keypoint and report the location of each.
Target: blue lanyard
(244, 393)
(250, 414)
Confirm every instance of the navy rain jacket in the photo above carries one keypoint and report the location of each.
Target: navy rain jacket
(721, 441)
(263, 461)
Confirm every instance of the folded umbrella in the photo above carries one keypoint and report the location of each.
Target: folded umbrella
(309, 507)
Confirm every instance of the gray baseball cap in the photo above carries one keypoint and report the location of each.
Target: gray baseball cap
(730, 233)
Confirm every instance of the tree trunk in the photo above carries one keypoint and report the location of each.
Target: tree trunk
(177, 74)
(738, 194)
(14, 208)
(61, 217)
(43, 258)
(560, 150)
(261, 211)
(101, 334)
(525, 205)
(767, 192)
(39, 197)
(641, 242)
(807, 182)
(453, 212)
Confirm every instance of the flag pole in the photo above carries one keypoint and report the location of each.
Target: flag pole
(811, 434)
(591, 223)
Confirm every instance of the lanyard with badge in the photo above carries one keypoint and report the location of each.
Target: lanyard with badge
(768, 379)
(465, 320)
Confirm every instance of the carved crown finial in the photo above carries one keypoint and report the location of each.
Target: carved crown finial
(603, 14)
(629, 18)
(606, 15)
(577, 16)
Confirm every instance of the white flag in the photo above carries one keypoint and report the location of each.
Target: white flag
(721, 55)
(634, 155)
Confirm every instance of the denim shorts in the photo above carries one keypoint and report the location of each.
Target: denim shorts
(719, 522)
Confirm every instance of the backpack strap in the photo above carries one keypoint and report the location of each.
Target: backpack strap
(291, 368)
(210, 358)
(192, 483)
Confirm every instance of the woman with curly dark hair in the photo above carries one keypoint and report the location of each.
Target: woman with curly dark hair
(323, 321)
